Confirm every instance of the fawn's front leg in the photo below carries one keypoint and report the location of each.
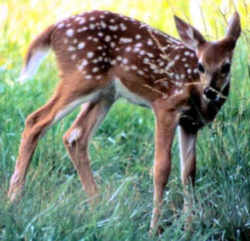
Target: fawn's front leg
(166, 122)
(187, 143)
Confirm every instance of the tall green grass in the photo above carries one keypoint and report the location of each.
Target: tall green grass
(54, 207)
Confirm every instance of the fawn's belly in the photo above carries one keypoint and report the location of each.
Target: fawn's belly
(123, 91)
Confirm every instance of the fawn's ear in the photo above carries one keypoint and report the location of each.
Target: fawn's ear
(234, 29)
(189, 35)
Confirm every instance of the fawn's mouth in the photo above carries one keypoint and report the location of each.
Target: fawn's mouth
(212, 95)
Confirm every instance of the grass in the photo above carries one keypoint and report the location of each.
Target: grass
(54, 207)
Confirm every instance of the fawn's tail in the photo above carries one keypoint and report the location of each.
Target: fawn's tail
(37, 51)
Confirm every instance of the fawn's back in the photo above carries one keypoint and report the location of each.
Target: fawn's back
(104, 47)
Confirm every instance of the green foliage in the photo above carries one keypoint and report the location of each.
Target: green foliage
(54, 207)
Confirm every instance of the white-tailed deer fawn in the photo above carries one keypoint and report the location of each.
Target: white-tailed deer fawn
(103, 56)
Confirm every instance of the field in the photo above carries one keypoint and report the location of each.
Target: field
(54, 207)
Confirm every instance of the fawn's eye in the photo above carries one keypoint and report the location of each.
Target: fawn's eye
(225, 68)
(201, 68)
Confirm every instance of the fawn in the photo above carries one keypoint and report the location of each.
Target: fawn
(103, 56)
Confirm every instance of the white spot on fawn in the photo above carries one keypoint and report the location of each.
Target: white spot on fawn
(150, 42)
(150, 55)
(145, 60)
(112, 44)
(128, 49)
(88, 76)
(142, 52)
(113, 62)
(103, 24)
(73, 57)
(84, 62)
(169, 65)
(123, 27)
(196, 71)
(70, 32)
(138, 45)
(125, 61)
(92, 26)
(82, 65)
(82, 21)
(113, 27)
(71, 48)
(177, 57)
(61, 25)
(81, 45)
(136, 50)
(90, 55)
(119, 58)
(81, 29)
(137, 36)
(134, 67)
(107, 38)
(140, 72)
(126, 40)
(95, 69)
(100, 34)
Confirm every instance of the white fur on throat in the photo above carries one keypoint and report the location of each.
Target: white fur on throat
(33, 64)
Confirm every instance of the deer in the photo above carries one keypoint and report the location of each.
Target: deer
(103, 56)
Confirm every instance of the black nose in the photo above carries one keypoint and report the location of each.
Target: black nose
(210, 93)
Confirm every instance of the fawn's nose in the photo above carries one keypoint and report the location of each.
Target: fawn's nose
(210, 93)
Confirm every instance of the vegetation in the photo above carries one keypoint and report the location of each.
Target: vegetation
(54, 207)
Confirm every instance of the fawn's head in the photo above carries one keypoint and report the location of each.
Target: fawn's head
(214, 58)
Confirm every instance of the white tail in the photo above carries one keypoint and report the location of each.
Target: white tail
(33, 64)
(103, 56)
(38, 50)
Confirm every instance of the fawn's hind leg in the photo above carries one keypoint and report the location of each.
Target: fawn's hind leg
(77, 139)
(63, 102)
